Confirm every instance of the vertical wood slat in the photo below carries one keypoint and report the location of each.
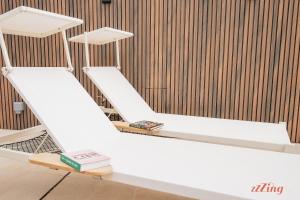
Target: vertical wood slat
(234, 59)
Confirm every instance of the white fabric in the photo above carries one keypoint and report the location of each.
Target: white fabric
(220, 131)
(120, 93)
(132, 107)
(33, 22)
(193, 169)
(102, 36)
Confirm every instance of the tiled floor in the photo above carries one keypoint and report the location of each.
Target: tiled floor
(21, 180)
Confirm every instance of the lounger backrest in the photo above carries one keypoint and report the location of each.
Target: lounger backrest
(120, 93)
(59, 102)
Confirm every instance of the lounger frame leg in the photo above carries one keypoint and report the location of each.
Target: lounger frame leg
(118, 55)
(67, 51)
(86, 50)
(8, 66)
(41, 144)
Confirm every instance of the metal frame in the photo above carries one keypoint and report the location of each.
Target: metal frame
(85, 41)
(41, 144)
(70, 22)
(86, 50)
(8, 67)
(118, 55)
(67, 51)
(87, 56)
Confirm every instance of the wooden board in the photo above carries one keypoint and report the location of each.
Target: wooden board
(52, 161)
(109, 111)
(124, 127)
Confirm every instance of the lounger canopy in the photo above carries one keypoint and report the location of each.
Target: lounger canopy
(33, 22)
(102, 36)
(188, 168)
(26, 21)
(132, 107)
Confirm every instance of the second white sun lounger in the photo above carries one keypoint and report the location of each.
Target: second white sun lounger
(132, 107)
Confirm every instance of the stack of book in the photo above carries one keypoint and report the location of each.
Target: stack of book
(147, 125)
(85, 160)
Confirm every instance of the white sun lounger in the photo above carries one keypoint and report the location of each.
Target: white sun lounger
(132, 107)
(188, 168)
(192, 169)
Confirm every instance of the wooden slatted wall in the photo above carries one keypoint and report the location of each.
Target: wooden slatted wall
(234, 59)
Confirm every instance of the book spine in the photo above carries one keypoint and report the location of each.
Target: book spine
(70, 162)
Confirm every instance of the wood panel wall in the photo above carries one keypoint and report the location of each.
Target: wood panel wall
(233, 59)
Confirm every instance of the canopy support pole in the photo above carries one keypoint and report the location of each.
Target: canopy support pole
(86, 51)
(118, 55)
(8, 66)
(67, 51)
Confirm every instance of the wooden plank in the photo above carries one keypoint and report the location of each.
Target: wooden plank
(191, 103)
(253, 62)
(270, 62)
(160, 75)
(172, 66)
(124, 127)
(240, 45)
(147, 53)
(233, 65)
(295, 124)
(244, 65)
(186, 66)
(291, 75)
(213, 50)
(52, 161)
(220, 80)
(258, 60)
(262, 61)
(217, 58)
(275, 62)
(225, 62)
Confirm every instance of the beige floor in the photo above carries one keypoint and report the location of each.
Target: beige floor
(21, 180)
(4, 132)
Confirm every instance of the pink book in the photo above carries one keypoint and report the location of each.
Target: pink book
(86, 156)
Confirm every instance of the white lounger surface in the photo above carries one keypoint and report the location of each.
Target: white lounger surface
(102, 36)
(192, 169)
(132, 107)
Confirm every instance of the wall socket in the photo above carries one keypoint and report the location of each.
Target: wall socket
(19, 107)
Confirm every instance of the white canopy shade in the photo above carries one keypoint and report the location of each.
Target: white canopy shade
(26, 21)
(102, 36)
